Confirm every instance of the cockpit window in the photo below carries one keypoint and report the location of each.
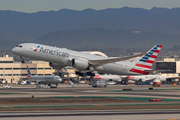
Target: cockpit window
(19, 46)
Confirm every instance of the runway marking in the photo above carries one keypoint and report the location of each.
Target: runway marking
(138, 90)
(120, 97)
(89, 105)
(98, 105)
(173, 119)
(11, 93)
(6, 107)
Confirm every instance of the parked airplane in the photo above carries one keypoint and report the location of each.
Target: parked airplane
(60, 57)
(143, 78)
(139, 78)
(43, 79)
(107, 77)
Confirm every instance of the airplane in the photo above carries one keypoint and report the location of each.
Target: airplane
(140, 78)
(61, 57)
(43, 79)
(106, 77)
(143, 78)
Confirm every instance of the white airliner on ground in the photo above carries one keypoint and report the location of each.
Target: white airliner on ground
(143, 78)
(106, 77)
(59, 58)
(137, 78)
(43, 79)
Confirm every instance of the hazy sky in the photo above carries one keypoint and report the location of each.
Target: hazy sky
(55, 5)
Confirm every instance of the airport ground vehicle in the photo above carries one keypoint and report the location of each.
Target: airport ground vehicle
(99, 83)
(7, 86)
(23, 83)
(39, 86)
(82, 82)
(110, 83)
(4, 82)
(15, 82)
(32, 83)
(70, 83)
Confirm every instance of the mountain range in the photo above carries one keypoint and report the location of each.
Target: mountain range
(123, 27)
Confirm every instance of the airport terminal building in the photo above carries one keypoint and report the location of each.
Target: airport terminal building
(14, 71)
(170, 64)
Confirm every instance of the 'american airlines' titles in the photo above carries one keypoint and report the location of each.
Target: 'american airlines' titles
(52, 52)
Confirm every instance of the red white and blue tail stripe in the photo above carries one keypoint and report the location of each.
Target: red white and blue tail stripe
(146, 62)
(97, 76)
(28, 72)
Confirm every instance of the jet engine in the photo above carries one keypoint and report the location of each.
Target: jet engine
(56, 65)
(80, 64)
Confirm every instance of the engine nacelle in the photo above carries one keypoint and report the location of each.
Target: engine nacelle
(56, 65)
(80, 64)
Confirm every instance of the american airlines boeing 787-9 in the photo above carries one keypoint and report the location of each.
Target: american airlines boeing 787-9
(60, 57)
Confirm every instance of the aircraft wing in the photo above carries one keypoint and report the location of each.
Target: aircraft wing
(97, 63)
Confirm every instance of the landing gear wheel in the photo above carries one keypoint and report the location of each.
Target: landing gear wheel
(23, 61)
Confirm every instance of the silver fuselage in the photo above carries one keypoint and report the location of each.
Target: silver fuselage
(64, 56)
(45, 79)
(144, 78)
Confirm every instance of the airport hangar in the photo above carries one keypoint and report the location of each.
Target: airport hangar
(11, 70)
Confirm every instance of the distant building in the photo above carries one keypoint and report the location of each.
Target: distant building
(170, 64)
(135, 53)
(15, 71)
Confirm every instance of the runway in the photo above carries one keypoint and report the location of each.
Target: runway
(87, 113)
(23, 91)
(84, 102)
(95, 115)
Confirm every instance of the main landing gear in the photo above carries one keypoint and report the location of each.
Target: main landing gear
(22, 61)
(80, 73)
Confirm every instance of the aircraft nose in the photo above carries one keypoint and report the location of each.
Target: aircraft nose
(13, 50)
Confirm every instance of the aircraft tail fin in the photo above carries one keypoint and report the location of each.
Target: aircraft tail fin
(146, 61)
(28, 72)
(96, 75)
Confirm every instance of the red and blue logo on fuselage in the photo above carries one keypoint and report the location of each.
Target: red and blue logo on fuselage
(37, 48)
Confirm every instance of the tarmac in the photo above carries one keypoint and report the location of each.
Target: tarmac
(134, 103)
